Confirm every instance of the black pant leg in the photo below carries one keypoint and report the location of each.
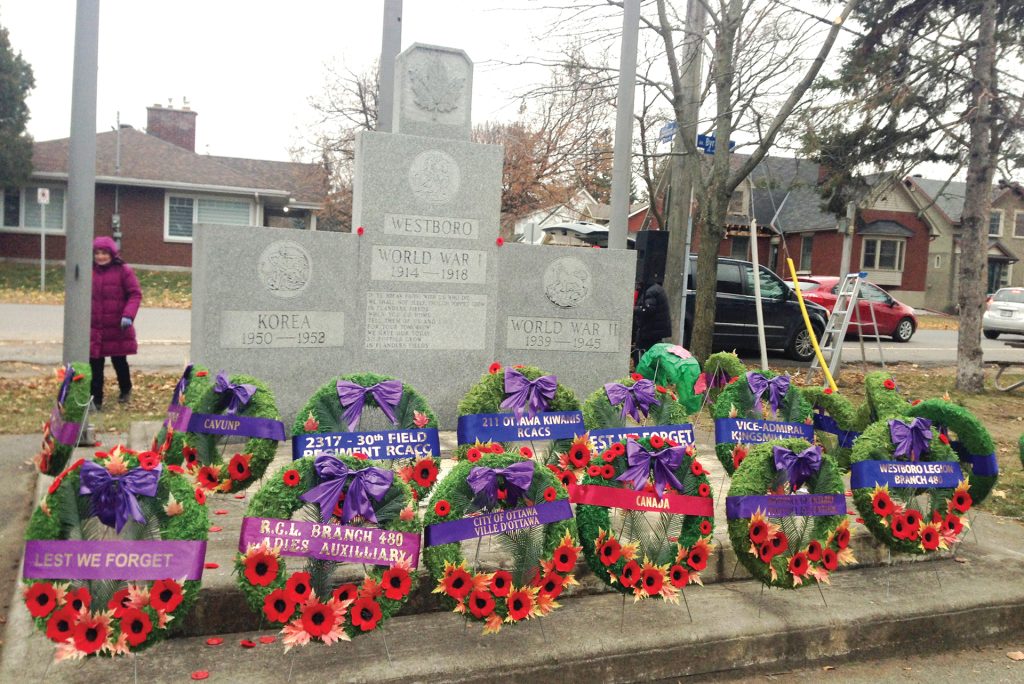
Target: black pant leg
(124, 377)
(97, 380)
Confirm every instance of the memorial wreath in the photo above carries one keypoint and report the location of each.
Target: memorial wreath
(835, 422)
(64, 426)
(170, 440)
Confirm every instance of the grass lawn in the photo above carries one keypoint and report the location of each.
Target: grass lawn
(19, 284)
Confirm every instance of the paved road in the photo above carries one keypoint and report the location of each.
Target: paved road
(33, 333)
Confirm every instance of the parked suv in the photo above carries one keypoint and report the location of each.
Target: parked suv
(736, 318)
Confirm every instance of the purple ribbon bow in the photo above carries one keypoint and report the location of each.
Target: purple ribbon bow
(113, 497)
(636, 400)
(484, 482)
(238, 395)
(179, 389)
(65, 385)
(911, 440)
(799, 468)
(664, 463)
(716, 379)
(352, 397)
(532, 393)
(366, 483)
(777, 388)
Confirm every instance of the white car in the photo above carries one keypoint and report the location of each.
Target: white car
(1005, 313)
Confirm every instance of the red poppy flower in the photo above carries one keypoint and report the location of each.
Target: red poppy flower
(913, 518)
(190, 455)
(298, 588)
(758, 532)
(202, 373)
(766, 552)
(238, 467)
(61, 624)
(176, 469)
(136, 625)
(828, 390)
(499, 241)
(798, 565)
(696, 468)
(943, 438)
(635, 376)
(360, 456)
(396, 583)
(473, 455)
(829, 559)
(657, 442)
(200, 496)
(442, 508)
(565, 558)
(365, 614)
(214, 641)
(961, 501)
(552, 585)
(780, 542)
(247, 643)
(930, 538)
(842, 537)
(346, 592)
(458, 583)
(705, 527)
(90, 634)
(149, 460)
(360, 230)
(579, 455)
(814, 551)
(291, 477)
(704, 489)
(617, 449)
(425, 472)
(78, 598)
(900, 529)
(261, 568)
(318, 619)
(609, 552)
(501, 582)
(889, 384)
(494, 368)
(41, 599)
(481, 604)
(497, 448)
(278, 607)
(567, 477)
(165, 595)
(607, 456)
(953, 524)
(550, 494)
(882, 504)
(608, 471)
(651, 580)
(678, 576)
(594, 470)
(208, 477)
(630, 574)
(519, 605)
(119, 602)
(526, 452)
(338, 506)
(698, 558)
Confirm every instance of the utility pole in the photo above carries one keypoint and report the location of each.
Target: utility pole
(81, 184)
(391, 45)
(622, 167)
(851, 217)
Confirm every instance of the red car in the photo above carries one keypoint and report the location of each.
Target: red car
(894, 318)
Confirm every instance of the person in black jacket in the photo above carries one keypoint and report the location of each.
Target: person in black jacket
(652, 318)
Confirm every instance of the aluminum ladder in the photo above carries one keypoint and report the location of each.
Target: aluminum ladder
(831, 342)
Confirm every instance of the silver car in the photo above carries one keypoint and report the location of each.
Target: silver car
(1005, 313)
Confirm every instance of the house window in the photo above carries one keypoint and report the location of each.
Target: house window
(806, 249)
(882, 255)
(1018, 224)
(183, 212)
(740, 247)
(21, 210)
(995, 224)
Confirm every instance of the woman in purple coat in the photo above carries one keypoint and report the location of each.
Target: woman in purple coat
(116, 296)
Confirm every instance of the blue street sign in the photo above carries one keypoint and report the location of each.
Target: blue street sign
(667, 132)
(707, 143)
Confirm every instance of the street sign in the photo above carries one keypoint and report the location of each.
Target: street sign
(707, 143)
(43, 195)
(667, 132)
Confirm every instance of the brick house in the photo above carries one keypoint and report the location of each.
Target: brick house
(152, 187)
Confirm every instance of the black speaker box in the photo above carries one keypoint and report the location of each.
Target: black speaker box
(651, 249)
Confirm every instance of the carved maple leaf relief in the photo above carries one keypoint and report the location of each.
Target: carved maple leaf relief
(433, 90)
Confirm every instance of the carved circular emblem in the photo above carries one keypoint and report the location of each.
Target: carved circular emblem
(567, 282)
(284, 268)
(434, 177)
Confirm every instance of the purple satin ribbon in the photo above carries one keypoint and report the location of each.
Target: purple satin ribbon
(799, 468)
(179, 389)
(484, 482)
(777, 388)
(365, 484)
(522, 393)
(636, 400)
(352, 397)
(664, 463)
(65, 385)
(911, 440)
(113, 497)
(238, 395)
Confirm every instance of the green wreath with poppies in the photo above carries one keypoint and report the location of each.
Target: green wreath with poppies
(543, 557)
(970, 439)
(788, 551)
(737, 401)
(909, 520)
(170, 443)
(720, 369)
(314, 604)
(598, 411)
(837, 407)
(107, 617)
(204, 454)
(644, 557)
(324, 413)
(884, 400)
(486, 397)
(54, 455)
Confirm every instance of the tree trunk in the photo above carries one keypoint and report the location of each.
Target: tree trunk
(970, 374)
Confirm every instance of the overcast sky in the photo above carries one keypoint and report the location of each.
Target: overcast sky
(249, 68)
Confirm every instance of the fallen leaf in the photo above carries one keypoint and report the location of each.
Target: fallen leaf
(960, 559)
(215, 528)
(828, 668)
(1015, 655)
(999, 493)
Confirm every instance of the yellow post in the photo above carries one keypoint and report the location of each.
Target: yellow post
(810, 328)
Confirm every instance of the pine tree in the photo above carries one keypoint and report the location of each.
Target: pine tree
(16, 81)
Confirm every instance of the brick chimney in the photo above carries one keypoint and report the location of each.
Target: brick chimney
(176, 126)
